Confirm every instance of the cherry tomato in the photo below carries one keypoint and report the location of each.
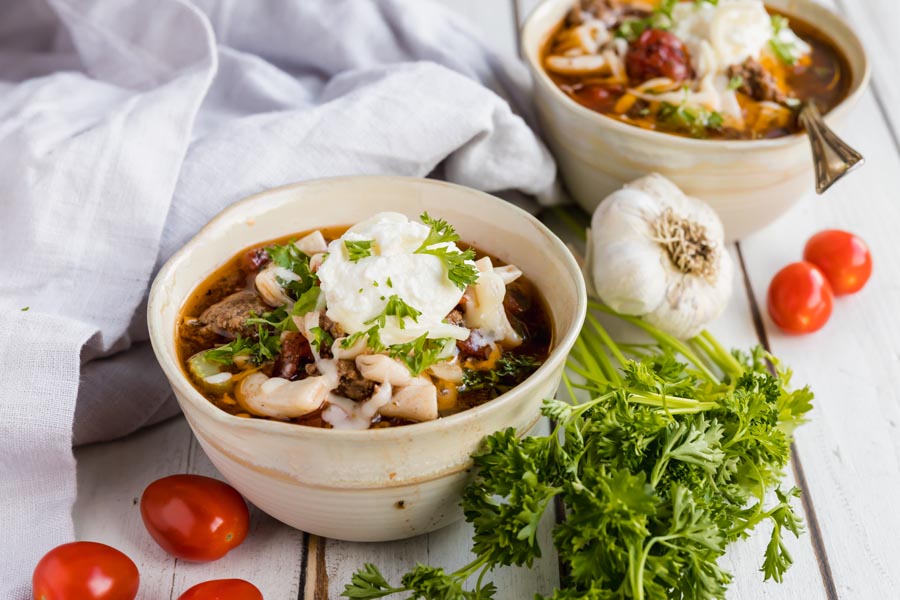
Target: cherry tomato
(800, 298)
(194, 517)
(842, 257)
(85, 571)
(657, 53)
(223, 589)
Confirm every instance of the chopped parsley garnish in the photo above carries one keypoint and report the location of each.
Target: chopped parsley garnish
(782, 49)
(290, 257)
(307, 302)
(694, 120)
(735, 82)
(460, 269)
(320, 336)
(420, 353)
(278, 320)
(359, 249)
(396, 307)
(266, 348)
(509, 371)
(390, 284)
(660, 18)
(373, 339)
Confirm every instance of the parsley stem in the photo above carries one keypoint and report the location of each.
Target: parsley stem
(733, 367)
(607, 340)
(663, 338)
(671, 402)
(596, 344)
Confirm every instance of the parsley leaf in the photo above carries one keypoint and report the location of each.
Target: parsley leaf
(693, 120)
(460, 269)
(259, 351)
(290, 257)
(373, 339)
(307, 302)
(320, 337)
(420, 353)
(358, 250)
(396, 307)
(735, 82)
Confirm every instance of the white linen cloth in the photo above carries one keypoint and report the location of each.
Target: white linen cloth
(125, 125)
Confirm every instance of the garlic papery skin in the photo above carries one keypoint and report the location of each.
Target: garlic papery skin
(660, 254)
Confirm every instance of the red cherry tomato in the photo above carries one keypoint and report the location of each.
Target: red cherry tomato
(85, 571)
(800, 298)
(194, 517)
(223, 589)
(842, 257)
(657, 53)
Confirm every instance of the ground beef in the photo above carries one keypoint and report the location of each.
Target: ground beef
(352, 384)
(516, 302)
(756, 82)
(475, 346)
(472, 347)
(334, 330)
(227, 317)
(196, 336)
(295, 352)
(456, 318)
(332, 327)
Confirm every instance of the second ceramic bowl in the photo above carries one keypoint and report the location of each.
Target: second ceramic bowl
(749, 183)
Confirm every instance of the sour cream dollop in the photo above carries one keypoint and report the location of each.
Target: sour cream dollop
(358, 292)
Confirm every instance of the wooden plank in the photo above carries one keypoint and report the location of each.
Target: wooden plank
(851, 448)
(877, 22)
(111, 478)
(271, 557)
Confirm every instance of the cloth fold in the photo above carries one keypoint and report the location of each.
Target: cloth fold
(126, 125)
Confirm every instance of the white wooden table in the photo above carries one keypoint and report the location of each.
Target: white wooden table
(847, 459)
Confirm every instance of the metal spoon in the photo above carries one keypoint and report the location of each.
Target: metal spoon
(832, 157)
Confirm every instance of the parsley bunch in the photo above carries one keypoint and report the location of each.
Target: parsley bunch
(674, 456)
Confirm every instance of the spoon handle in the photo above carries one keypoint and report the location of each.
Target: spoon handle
(832, 157)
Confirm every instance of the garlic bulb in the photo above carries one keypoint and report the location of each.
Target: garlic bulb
(660, 254)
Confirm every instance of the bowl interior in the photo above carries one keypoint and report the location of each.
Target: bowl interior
(491, 224)
(542, 22)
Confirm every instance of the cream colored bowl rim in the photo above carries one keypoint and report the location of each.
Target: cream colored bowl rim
(177, 378)
(533, 60)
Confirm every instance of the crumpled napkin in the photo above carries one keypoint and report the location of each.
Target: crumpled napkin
(125, 125)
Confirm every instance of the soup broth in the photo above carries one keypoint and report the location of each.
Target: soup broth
(757, 98)
(487, 370)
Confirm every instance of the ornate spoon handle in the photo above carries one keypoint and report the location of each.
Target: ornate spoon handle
(832, 157)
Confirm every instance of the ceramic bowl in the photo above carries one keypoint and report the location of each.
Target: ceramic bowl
(749, 183)
(380, 484)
